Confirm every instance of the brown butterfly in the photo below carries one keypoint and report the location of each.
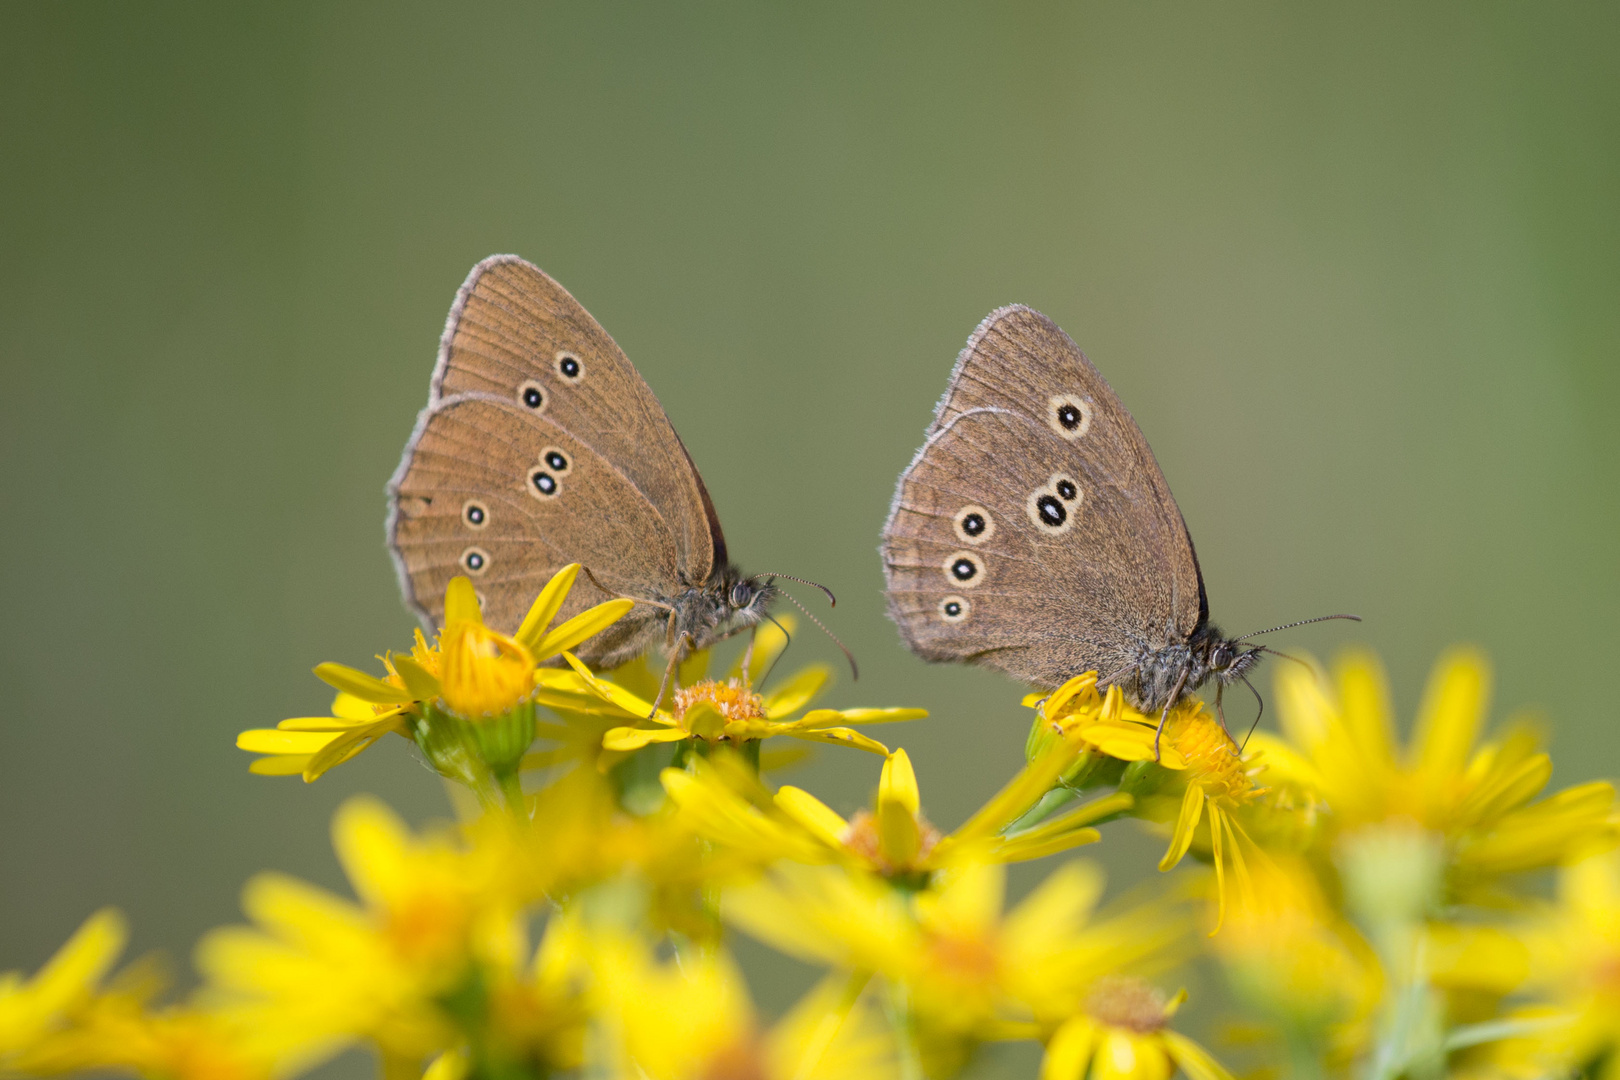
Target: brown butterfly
(541, 446)
(1034, 533)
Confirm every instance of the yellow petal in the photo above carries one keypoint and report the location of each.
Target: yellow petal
(1034, 698)
(704, 720)
(1453, 708)
(1060, 697)
(812, 814)
(1024, 848)
(612, 692)
(79, 963)
(587, 623)
(350, 707)
(545, 607)
(1020, 793)
(280, 765)
(274, 741)
(839, 736)
(818, 717)
(365, 687)
(898, 784)
(1124, 1055)
(1192, 808)
(1365, 697)
(461, 602)
(422, 683)
(1068, 1053)
(331, 723)
(970, 902)
(796, 693)
(1194, 1060)
(341, 749)
(629, 738)
(1058, 907)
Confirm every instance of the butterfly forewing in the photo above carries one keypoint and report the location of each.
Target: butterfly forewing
(1034, 532)
(514, 332)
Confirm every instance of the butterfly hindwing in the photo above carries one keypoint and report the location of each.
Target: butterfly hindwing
(507, 497)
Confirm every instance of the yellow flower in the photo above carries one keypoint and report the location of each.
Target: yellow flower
(692, 1020)
(1122, 1034)
(1574, 968)
(894, 839)
(1300, 965)
(1341, 750)
(472, 672)
(34, 1009)
(966, 969)
(319, 972)
(723, 711)
(1217, 782)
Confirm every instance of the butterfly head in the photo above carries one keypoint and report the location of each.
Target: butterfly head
(1228, 659)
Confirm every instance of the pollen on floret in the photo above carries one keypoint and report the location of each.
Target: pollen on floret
(1211, 756)
(732, 699)
(1124, 1002)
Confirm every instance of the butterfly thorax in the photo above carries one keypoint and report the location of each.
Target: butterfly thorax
(724, 605)
(1163, 675)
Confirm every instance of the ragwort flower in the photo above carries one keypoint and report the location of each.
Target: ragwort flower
(728, 711)
(33, 1010)
(894, 839)
(472, 672)
(1123, 1033)
(1194, 752)
(1476, 801)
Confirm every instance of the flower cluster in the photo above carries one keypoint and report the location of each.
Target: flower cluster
(1371, 905)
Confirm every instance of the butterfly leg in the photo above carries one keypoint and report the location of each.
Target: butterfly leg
(1175, 695)
(1220, 713)
(671, 669)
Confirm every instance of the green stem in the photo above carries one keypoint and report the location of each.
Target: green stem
(749, 749)
(512, 792)
(904, 1024)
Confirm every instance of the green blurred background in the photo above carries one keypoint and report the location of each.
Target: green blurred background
(1354, 268)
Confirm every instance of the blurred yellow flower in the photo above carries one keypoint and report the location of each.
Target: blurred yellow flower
(1122, 1033)
(472, 672)
(692, 1020)
(1341, 750)
(723, 711)
(894, 839)
(34, 1009)
(318, 972)
(966, 968)
(1300, 965)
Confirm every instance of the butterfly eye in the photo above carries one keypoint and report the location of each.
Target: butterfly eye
(741, 594)
(965, 569)
(974, 525)
(532, 396)
(475, 560)
(1068, 415)
(569, 367)
(542, 484)
(475, 515)
(954, 609)
(556, 461)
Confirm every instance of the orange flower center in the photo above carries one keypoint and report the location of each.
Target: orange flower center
(862, 838)
(732, 699)
(1124, 1002)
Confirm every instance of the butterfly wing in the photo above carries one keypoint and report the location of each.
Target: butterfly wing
(522, 355)
(1034, 532)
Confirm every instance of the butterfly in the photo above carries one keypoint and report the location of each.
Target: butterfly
(1034, 533)
(541, 446)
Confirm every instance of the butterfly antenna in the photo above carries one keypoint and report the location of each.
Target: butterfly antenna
(1286, 656)
(775, 659)
(1259, 714)
(1302, 622)
(853, 669)
(831, 599)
